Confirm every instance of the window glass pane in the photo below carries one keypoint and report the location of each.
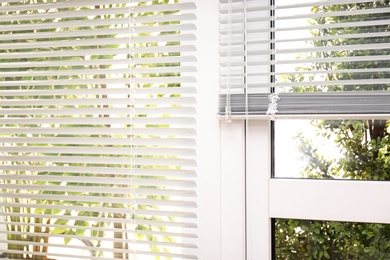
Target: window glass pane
(307, 239)
(344, 149)
(331, 47)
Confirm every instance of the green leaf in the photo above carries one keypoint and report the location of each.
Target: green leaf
(58, 230)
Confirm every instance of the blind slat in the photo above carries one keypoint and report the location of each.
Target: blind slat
(145, 232)
(149, 172)
(104, 150)
(99, 42)
(102, 210)
(97, 91)
(187, 204)
(98, 11)
(96, 32)
(177, 132)
(113, 220)
(99, 22)
(100, 140)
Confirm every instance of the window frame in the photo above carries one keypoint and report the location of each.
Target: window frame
(265, 197)
(236, 220)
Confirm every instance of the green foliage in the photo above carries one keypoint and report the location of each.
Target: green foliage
(305, 239)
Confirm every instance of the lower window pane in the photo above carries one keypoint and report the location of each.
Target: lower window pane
(342, 149)
(307, 239)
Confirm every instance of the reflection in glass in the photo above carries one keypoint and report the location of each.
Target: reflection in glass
(307, 239)
(347, 149)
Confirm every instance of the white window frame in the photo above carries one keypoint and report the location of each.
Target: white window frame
(332, 200)
(267, 198)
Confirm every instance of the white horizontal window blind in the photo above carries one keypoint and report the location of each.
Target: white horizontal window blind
(98, 129)
(336, 50)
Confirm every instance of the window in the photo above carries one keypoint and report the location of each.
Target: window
(325, 61)
(98, 130)
(153, 172)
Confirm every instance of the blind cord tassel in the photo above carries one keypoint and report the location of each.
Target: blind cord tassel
(228, 114)
(273, 105)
